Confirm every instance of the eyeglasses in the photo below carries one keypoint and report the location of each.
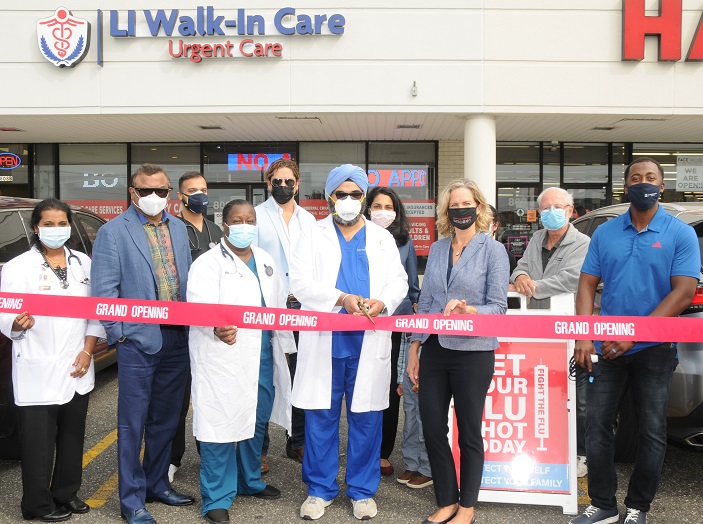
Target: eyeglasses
(290, 182)
(341, 195)
(161, 192)
(556, 206)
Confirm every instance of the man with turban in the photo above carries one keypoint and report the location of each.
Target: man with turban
(340, 262)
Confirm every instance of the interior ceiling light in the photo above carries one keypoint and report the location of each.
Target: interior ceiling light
(213, 127)
(408, 126)
(16, 129)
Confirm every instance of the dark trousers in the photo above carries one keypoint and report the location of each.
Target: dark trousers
(45, 429)
(296, 440)
(649, 373)
(466, 376)
(390, 414)
(178, 446)
(148, 405)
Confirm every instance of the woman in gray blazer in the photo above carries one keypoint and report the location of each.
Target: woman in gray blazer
(467, 273)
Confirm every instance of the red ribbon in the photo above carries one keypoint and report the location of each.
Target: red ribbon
(641, 329)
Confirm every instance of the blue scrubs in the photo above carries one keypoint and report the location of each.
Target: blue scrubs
(229, 468)
(321, 459)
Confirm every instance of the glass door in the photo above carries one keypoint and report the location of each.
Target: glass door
(220, 194)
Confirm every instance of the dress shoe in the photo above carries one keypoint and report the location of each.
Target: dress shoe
(171, 497)
(295, 454)
(217, 516)
(264, 464)
(75, 505)
(140, 516)
(428, 521)
(388, 470)
(58, 515)
(268, 493)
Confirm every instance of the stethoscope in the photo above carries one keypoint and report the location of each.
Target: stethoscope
(194, 247)
(226, 254)
(64, 281)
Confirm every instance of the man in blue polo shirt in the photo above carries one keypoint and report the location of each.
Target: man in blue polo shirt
(649, 263)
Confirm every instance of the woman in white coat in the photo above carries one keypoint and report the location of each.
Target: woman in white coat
(52, 367)
(240, 376)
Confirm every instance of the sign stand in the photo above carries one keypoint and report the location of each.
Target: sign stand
(529, 421)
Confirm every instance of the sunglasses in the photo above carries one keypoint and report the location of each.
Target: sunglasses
(290, 182)
(161, 192)
(341, 195)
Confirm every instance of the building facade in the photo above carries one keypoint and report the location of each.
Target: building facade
(516, 97)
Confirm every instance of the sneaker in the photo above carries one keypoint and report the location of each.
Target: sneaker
(594, 515)
(364, 509)
(635, 516)
(313, 508)
(405, 477)
(420, 481)
(171, 472)
(581, 467)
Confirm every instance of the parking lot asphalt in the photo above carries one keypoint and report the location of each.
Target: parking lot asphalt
(680, 497)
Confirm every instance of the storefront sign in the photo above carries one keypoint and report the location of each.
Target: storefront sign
(667, 26)
(253, 161)
(398, 177)
(689, 172)
(63, 39)
(421, 214)
(9, 161)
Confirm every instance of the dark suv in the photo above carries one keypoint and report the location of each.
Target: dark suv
(15, 235)
(685, 415)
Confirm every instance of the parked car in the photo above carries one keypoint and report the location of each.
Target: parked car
(685, 414)
(15, 234)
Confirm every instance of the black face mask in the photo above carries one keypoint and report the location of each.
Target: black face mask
(643, 196)
(462, 217)
(282, 194)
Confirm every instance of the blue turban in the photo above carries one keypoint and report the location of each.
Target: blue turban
(345, 172)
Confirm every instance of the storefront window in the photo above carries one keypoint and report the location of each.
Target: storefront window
(683, 169)
(242, 162)
(551, 170)
(517, 162)
(517, 210)
(585, 163)
(317, 159)
(44, 171)
(409, 169)
(94, 176)
(14, 170)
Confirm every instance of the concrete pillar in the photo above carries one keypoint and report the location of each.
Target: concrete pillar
(480, 153)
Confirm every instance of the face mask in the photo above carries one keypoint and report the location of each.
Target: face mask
(462, 217)
(382, 217)
(347, 208)
(241, 235)
(196, 202)
(152, 205)
(54, 237)
(553, 219)
(643, 196)
(282, 194)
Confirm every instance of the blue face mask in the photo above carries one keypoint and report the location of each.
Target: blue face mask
(241, 235)
(197, 202)
(643, 196)
(553, 219)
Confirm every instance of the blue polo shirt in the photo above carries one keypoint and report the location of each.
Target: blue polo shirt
(636, 266)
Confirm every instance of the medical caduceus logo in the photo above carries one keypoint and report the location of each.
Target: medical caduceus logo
(63, 39)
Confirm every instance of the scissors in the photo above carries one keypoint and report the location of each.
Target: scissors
(364, 309)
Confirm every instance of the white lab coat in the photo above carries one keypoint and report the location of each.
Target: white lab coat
(225, 378)
(314, 270)
(42, 358)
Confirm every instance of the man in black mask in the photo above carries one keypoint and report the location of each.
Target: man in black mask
(202, 235)
(279, 221)
(649, 263)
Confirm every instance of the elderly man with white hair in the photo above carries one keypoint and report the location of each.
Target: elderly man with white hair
(551, 266)
(339, 263)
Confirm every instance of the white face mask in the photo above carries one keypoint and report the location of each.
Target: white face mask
(347, 208)
(152, 205)
(54, 237)
(382, 217)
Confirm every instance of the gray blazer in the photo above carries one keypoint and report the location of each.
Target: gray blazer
(563, 269)
(480, 277)
(122, 268)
